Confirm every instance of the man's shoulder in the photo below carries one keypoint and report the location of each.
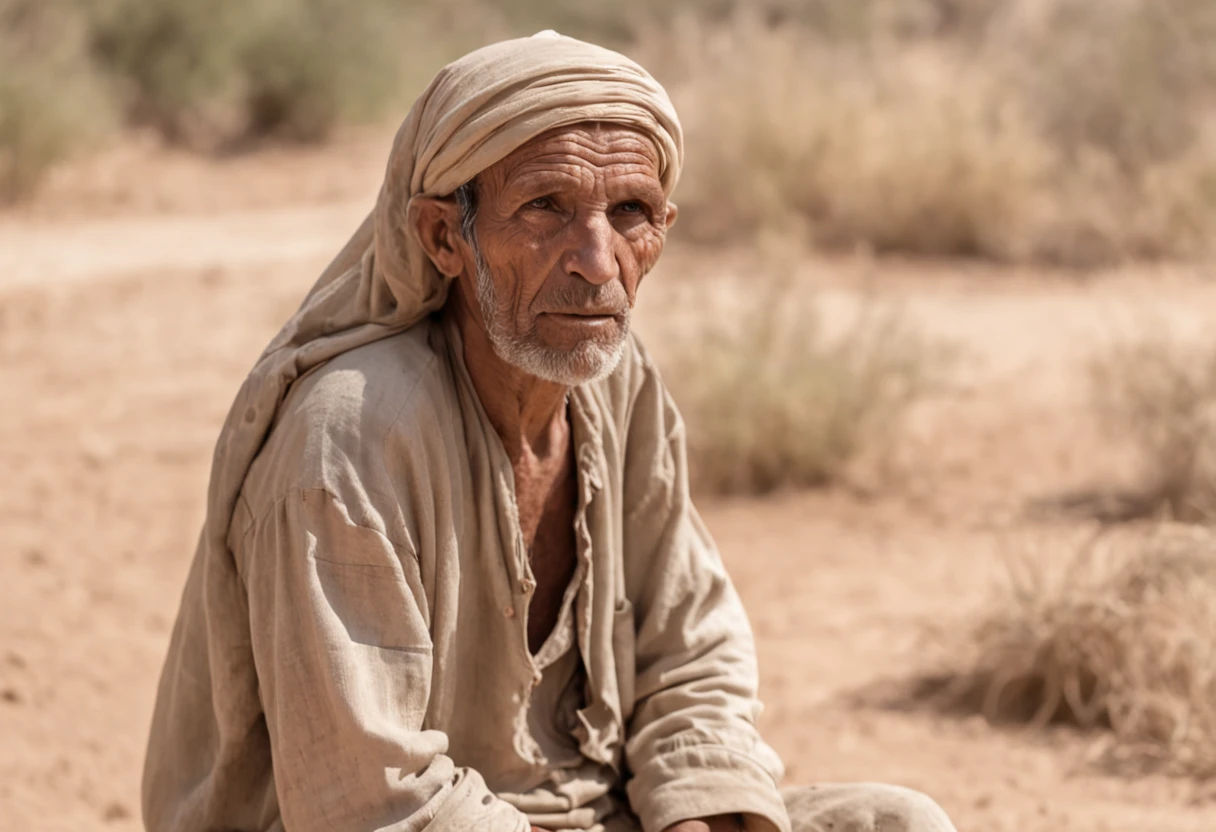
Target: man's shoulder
(332, 429)
(363, 388)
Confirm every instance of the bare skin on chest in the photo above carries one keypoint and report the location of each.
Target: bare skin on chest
(546, 493)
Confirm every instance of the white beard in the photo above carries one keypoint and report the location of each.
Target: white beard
(589, 361)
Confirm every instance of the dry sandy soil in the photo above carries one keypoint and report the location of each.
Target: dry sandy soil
(138, 289)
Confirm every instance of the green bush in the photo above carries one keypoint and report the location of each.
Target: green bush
(208, 73)
(51, 102)
(174, 61)
(311, 64)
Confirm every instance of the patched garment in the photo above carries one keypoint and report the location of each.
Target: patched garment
(366, 657)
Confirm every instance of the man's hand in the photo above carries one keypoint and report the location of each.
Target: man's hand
(718, 823)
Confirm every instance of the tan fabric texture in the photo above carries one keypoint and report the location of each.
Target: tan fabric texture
(368, 666)
(351, 652)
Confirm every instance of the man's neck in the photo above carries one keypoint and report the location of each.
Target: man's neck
(528, 413)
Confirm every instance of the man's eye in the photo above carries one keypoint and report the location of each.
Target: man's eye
(541, 202)
(631, 207)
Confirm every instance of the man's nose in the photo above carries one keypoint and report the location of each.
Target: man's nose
(593, 253)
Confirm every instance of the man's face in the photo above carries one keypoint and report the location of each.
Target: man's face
(566, 228)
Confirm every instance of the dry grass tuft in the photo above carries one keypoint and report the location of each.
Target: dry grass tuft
(1162, 397)
(773, 400)
(1120, 635)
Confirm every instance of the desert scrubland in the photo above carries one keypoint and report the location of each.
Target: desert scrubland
(940, 312)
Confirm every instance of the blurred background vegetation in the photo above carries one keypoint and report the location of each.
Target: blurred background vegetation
(1069, 132)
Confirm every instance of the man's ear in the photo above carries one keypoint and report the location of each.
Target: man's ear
(673, 211)
(436, 221)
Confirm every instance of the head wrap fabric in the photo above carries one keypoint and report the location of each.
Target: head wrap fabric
(475, 112)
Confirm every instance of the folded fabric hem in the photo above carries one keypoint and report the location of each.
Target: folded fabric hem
(705, 781)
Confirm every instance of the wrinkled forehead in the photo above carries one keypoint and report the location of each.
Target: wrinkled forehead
(603, 144)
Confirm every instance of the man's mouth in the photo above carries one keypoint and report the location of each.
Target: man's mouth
(590, 317)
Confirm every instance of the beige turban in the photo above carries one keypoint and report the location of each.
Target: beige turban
(475, 112)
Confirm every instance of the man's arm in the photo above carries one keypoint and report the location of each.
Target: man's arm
(692, 742)
(343, 656)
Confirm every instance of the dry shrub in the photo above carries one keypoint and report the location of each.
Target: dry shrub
(1161, 397)
(1123, 92)
(1098, 214)
(862, 19)
(50, 104)
(774, 400)
(1083, 134)
(610, 24)
(1075, 132)
(618, 23)
(890, 150)
(1119, 635)
(1126, 77)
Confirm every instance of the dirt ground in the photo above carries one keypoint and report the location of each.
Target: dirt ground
(138, 289)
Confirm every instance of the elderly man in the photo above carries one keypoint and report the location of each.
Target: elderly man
(450, 577)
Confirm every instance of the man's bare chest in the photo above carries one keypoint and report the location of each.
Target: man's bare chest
(547, 508)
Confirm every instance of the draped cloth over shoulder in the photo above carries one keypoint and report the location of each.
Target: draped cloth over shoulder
(474, 113)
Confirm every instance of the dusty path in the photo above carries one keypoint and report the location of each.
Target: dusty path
(47, 253)
(123, 337)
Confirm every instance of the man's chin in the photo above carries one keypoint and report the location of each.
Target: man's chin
(587, 362)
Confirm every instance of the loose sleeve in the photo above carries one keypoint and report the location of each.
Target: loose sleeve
(343, 656)
(692, 745)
